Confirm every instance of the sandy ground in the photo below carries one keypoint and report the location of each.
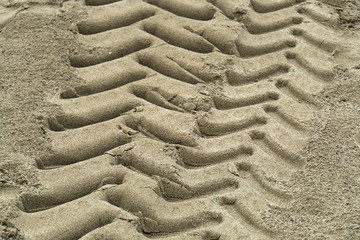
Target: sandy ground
(34, 66)
(326, 205)
(34, 49)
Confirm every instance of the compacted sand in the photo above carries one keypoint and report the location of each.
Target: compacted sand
(180, 119)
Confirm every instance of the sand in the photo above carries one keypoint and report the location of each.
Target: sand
(180, 119)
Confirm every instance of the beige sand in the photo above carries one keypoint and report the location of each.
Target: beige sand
(174, 119)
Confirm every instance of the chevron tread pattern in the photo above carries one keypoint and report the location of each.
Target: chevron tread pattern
(189, 121)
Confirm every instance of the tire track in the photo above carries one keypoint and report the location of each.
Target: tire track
(147, 154)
